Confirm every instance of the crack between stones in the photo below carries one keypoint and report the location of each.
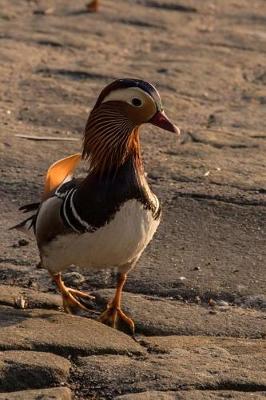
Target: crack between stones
(72, 74)
(220, 145)
(191, 296)
(197, 181)
(73, 353)
(222, 199)
(232, 47)
(231, 387)
(238, 387)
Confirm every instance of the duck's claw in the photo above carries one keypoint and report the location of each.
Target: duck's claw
(79, 293)
(71, 297)
(113, 315)
(70, 300)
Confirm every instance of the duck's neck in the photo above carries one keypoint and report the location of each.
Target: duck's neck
(126, 180)
(100, 195)
(110, 141)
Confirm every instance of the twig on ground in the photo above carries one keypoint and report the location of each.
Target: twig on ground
(62, 138)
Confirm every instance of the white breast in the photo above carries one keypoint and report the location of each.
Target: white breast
(123, 239)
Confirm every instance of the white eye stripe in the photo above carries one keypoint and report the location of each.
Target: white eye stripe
(127, 95)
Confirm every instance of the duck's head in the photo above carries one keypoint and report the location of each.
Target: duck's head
(112, 129)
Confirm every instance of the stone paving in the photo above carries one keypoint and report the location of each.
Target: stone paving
(198, 293)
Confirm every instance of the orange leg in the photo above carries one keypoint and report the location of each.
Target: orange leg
(113, 311)
(93, 6)
(69, 295)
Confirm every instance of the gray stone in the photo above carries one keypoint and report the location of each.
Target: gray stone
(206, 234)
(194, 395)
(236, 346)
(151, 395)
(60, 333)
(215, 364)
(157, 316)
(29, 369)
(256, 301)
(73, 278)
(34, 298)
(59, 393)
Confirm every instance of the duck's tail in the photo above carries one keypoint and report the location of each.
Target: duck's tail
(29, 223)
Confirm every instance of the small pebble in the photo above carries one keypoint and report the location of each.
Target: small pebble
(23, 242)
(222, 303)
(198, 299)
(73, 278)
(162, 70)
(47, 11)
(212, 303)
(32, 284)
(224, 309)
(211, 119)
(21, 302)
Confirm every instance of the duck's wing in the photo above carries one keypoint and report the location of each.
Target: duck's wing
(60, 172)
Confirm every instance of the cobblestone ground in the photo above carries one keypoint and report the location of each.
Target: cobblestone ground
(198, 293)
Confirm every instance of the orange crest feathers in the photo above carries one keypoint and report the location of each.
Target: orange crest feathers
(59, 171)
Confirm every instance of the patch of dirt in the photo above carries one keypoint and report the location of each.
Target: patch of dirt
(208, 61)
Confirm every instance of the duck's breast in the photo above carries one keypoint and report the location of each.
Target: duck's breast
(118, 242)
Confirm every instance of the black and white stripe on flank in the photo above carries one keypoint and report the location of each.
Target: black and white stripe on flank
(76, 215)
(156, 211)
(70, 215)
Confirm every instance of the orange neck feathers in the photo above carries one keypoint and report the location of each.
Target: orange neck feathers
(110, 139)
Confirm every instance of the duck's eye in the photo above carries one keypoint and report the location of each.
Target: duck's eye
(136, 102)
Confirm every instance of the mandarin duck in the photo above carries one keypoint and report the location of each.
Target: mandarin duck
(107, 218)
